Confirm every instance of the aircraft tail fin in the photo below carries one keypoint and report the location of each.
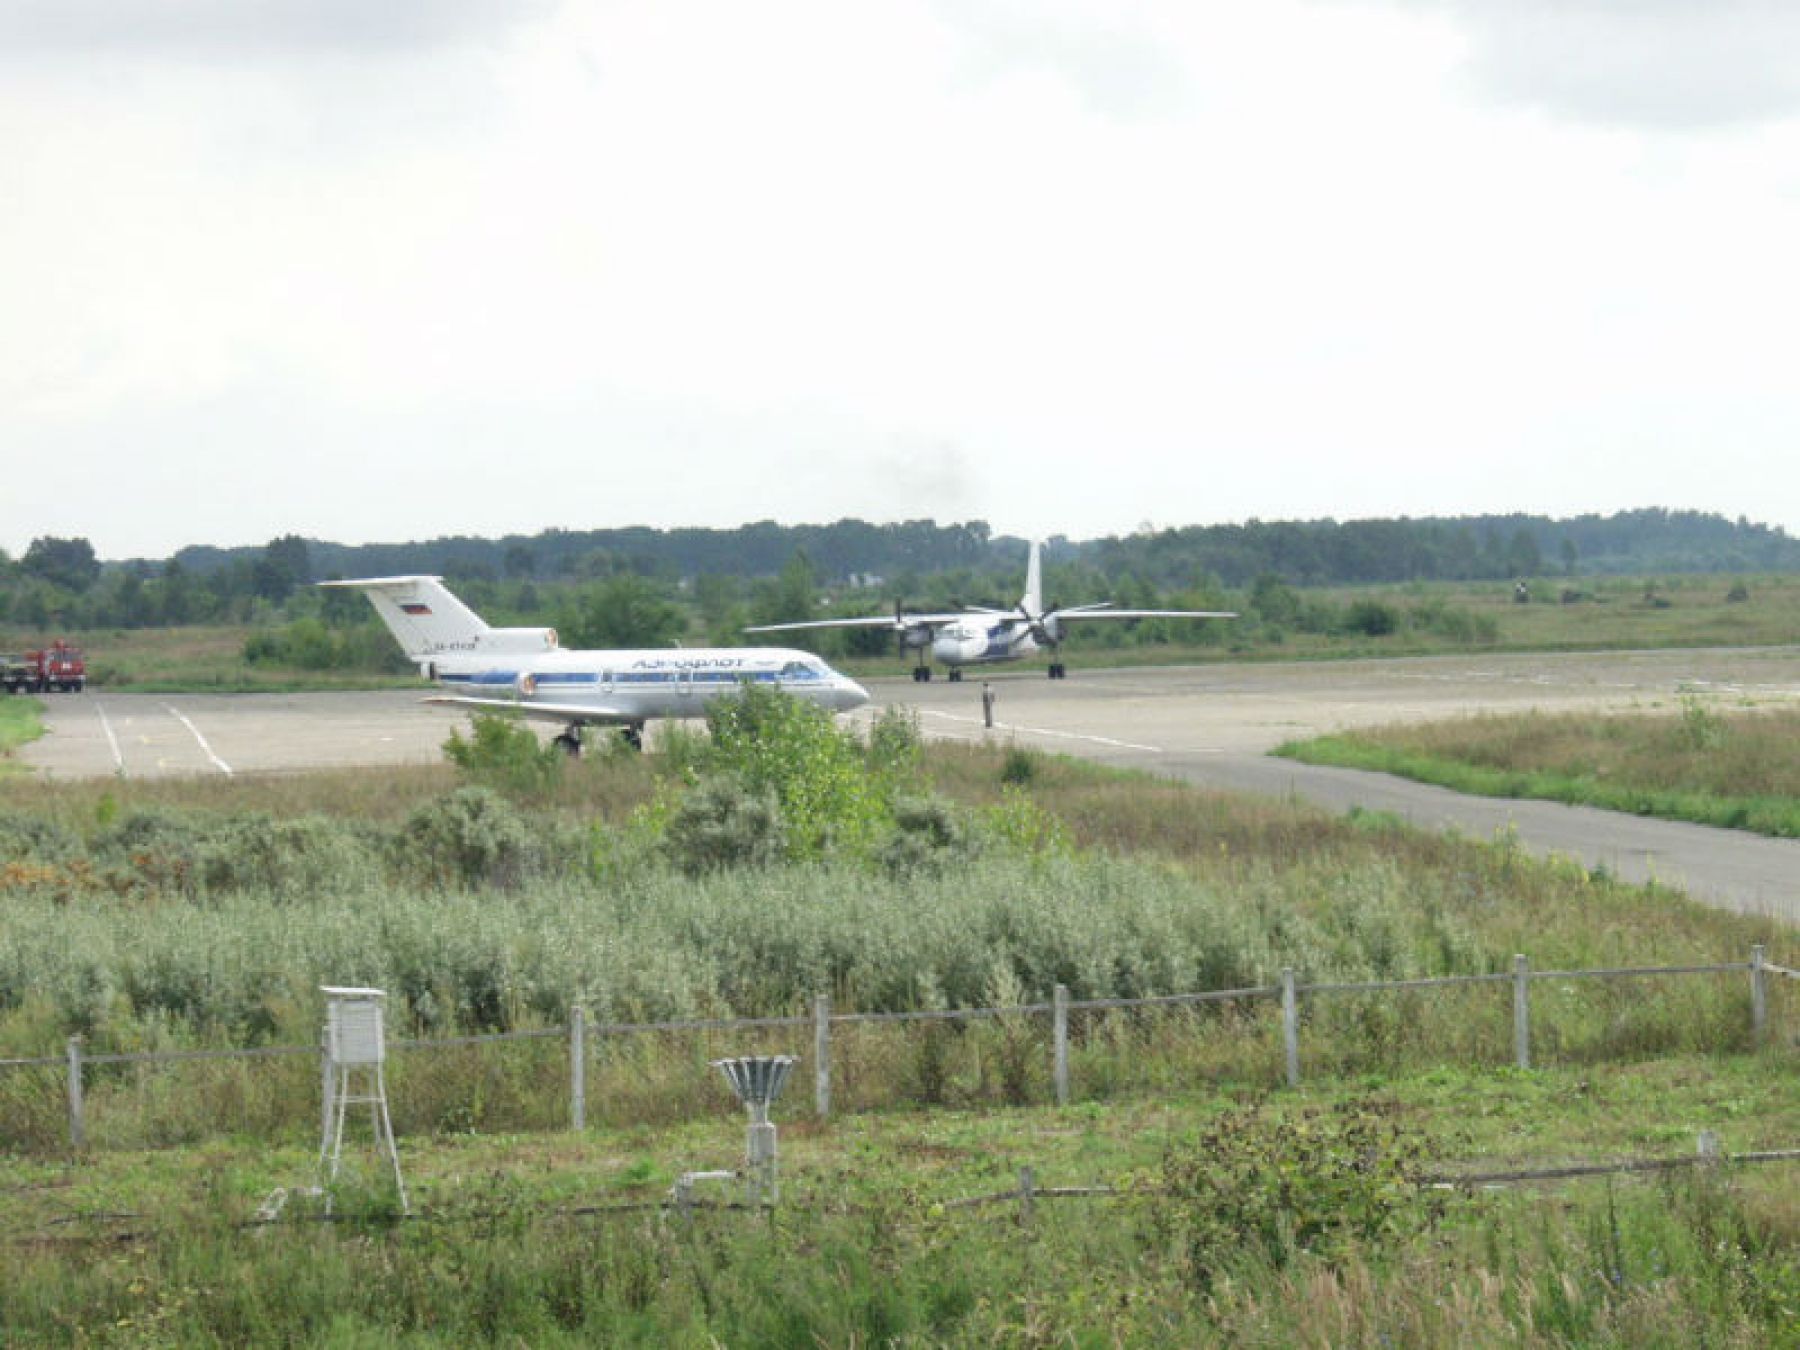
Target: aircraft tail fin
(422, 614)
(1033, 600)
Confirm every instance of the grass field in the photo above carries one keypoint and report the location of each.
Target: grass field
(1734, 768)
(560, 1238)
(171, 915)
(1565, 614)
(21, 721)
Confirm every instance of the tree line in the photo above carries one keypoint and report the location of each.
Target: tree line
(640, 586)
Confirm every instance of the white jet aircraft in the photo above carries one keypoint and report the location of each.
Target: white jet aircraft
(981, 636)
(524, 671)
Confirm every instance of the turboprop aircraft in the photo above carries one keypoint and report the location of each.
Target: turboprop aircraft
(981, 636)
(524, 671)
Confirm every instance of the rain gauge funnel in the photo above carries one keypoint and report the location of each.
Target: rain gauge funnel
(758, 1080)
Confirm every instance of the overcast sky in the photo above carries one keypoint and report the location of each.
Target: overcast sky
(384, 271)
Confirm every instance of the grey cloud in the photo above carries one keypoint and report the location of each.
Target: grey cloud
(1660, 64)
(927, 475)
(1114, 68)
(203, 29)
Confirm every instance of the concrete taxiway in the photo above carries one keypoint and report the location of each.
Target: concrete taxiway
(1211, 725)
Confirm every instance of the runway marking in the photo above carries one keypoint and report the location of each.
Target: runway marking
(218, 763)
(112, 740)
(1046, 731)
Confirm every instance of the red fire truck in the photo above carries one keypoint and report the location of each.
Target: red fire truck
(58, 668)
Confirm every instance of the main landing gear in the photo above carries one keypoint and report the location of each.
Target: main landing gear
(1058, 671)
(569, 740)
(922, 674)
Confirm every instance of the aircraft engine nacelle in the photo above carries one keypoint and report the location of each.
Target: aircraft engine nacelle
(1053, 629)
(916, 637)
(519, 641)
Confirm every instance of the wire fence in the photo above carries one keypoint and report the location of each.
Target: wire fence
(102, 1229)
(623, 1074)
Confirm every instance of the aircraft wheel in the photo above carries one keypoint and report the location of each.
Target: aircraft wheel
(956, 676)
(634, 736)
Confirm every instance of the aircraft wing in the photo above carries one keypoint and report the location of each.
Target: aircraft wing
(892, 622)
(578, 714)
(1108, 612)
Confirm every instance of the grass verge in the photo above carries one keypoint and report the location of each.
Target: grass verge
(21, 722)
(1736, 770)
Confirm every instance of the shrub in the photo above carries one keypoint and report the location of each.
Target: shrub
(1019, 767)
(470, 838)
(1267, 1188)
(925, 833)
(33, 840)
(1371, 618)
(302, 856)
(1274, 600)
(722, 822)
(504, 754)
(816, 771)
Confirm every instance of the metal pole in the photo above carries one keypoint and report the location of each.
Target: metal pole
(1759, 994)
(822, 1055)
(1290, 1025)
(1521, 1012)
(577, 1068)
(1061, 1040)
(1027, 1193)
(327, 1080)
(77, 1125)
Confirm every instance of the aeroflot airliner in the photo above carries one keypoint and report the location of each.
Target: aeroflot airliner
(524, 671)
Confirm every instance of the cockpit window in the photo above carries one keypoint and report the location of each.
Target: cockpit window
(801, 670)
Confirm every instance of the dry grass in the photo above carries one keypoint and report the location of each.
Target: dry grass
(1734, 768)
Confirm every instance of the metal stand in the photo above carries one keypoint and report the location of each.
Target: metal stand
(355, 1045)
(757, 1080)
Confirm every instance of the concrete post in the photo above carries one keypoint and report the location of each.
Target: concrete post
(577, 1068)
(327, 1085)
(1060, 1037)
(822, 1055)
(1521, 1012)
(1290, 1025)
(1759, 994)
(77, 1121)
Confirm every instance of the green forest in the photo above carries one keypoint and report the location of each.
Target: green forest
(766, 566)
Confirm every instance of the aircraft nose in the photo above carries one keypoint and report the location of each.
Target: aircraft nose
(850, 695)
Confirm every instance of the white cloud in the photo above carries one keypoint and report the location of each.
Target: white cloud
(1661, 64)
(1064, 269)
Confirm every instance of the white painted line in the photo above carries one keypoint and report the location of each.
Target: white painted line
(218, 763)
(112, 740)
(1045, 731)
